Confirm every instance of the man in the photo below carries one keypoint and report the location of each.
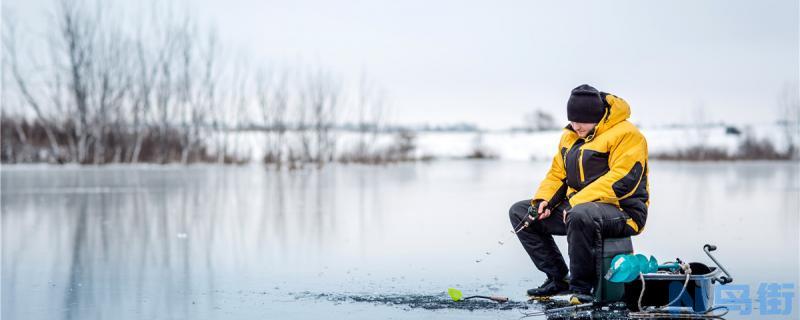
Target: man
(596, 188)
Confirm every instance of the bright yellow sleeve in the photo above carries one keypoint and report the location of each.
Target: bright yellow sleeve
(627, 164)
(554, 182)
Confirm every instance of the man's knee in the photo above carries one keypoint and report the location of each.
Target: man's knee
(581, 215)
(518, 210)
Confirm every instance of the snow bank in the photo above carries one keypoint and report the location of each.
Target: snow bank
(521, 146)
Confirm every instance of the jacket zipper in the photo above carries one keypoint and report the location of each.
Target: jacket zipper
(580, 166)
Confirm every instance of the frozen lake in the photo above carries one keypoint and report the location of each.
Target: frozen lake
(208, 242)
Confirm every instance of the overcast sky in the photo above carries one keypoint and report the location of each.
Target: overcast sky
(490, 62)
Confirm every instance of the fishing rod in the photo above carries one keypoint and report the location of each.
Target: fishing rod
(458, 296)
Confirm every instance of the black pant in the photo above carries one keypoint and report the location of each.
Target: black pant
(586, 227)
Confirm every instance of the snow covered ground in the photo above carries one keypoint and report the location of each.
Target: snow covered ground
(528, 146)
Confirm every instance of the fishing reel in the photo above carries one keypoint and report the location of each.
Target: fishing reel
(533, 211)
(527, 220)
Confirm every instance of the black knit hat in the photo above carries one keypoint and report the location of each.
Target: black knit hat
(585, 105)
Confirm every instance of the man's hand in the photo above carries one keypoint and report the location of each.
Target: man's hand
(542, 210)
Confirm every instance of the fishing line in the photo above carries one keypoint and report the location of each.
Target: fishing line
(514, 231)
(456, 294)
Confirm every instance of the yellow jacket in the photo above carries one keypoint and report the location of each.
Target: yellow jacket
(609, 165)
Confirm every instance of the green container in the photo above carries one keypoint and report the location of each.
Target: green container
(606, 291)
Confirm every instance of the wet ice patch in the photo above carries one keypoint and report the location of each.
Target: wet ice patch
(416, 301)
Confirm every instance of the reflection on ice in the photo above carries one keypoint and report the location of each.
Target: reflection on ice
(175, 242)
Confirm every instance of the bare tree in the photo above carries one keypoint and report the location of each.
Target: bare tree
(539, 120)
(142, 95)
(371, 107)
(370, 113)
(789, 105)
(11, 61)
(234, 109)
(188, 112)
(111, 77)
(320, 96)
(165, 94)
(77, 35)
(273, 99)
(206, 94)
(156, 89)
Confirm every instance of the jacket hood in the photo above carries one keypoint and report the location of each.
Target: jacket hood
(618, 111)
